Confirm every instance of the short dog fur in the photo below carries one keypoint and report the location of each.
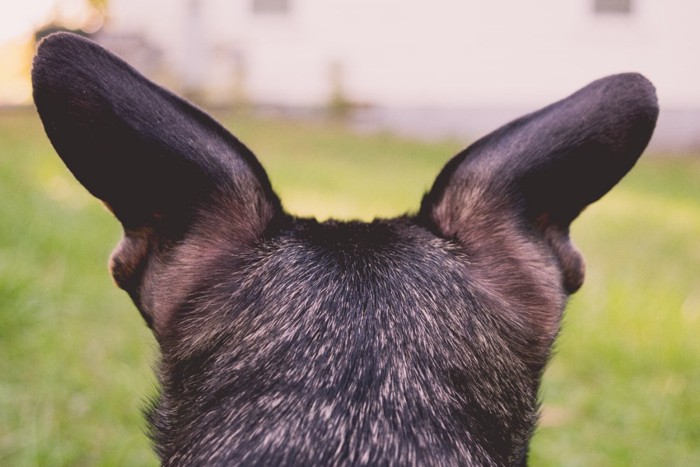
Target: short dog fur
(419, 340)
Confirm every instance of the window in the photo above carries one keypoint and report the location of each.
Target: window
(612, 7)
(271, 6)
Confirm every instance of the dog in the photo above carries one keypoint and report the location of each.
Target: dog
(419, 340)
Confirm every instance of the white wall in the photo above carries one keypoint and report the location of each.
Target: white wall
(437, 53)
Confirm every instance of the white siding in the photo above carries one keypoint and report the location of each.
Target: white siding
(448, 54)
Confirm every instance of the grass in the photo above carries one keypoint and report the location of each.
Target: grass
(75, 357)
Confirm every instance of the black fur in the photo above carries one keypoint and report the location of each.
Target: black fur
(416, 340)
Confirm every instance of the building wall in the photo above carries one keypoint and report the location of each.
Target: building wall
(450, 54)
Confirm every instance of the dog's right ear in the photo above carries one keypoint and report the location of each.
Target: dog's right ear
(544, 168)
(153, 158)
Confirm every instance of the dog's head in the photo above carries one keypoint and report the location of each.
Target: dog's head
(420, 339)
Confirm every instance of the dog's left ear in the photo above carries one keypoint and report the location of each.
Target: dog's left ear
(154, 159)
(545, 168)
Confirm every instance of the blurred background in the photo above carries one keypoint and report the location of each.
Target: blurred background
(466, 65)
(353, 106)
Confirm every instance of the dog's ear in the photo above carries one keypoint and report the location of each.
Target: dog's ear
(546, 167)
(149, 155)
(153, 158)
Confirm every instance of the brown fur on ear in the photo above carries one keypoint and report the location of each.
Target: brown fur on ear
(128, 263)
(509, 261)
(570, 260)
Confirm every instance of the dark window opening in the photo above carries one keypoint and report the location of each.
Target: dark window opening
(614, 7)
(271, 6)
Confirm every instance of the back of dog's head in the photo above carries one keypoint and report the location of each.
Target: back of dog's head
(420, 339)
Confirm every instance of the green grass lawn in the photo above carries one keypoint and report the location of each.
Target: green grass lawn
(75, 356)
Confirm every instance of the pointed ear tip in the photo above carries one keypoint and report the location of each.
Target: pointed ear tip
(59, 40)
(61, 44)
(54, 44)
(636, 91)
(51, 44)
